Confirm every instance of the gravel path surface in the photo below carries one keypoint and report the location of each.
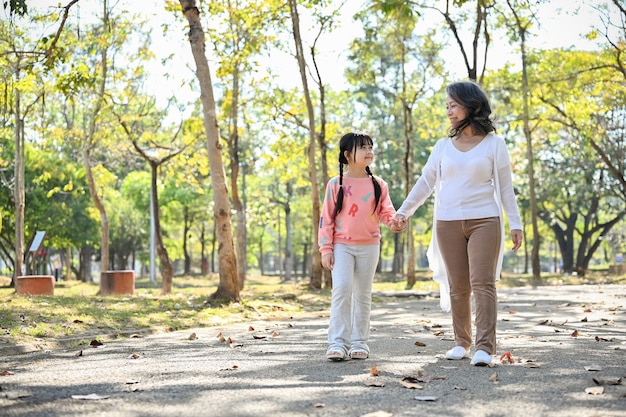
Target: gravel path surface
(566, 345)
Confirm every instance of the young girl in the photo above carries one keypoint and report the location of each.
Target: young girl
(354, 204)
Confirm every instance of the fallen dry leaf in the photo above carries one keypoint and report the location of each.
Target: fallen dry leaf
(593, 368)
(608, 381)
(512, 312)
(134, 356)
(429, 378)
(374, 371)
(439, 333)
(5, 373)
(90, 397)
(575, 333)
(193, 336)
(426, 398)
(531, 365)
(250, 329)
(507, 358)
(411, 383)
(551, 323)
(230, 340)
(319, 405)
(378, 413)
(594, 390)
(494, 377)
(17, 395)
(421, 344)
(275, 334)
(222, 339)
(584, 320)
(371, 382)
(95, 343)
(256, 336)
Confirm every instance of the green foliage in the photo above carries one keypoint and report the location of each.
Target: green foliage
(57, 201)
(397, 66)
(18, 7)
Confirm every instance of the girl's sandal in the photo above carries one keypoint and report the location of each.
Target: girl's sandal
(335, 355)
(359, 354)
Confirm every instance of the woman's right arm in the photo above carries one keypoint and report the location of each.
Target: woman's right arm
(424, 186)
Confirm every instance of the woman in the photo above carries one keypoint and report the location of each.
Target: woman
(471, 173)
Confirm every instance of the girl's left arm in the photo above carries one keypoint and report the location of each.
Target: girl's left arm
(387, 211)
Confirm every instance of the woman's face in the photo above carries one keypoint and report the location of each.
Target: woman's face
(456, 111)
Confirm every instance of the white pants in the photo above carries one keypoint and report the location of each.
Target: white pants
(351, 303)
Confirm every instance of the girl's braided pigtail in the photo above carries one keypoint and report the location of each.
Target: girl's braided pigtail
(339, 202)
(377, 191)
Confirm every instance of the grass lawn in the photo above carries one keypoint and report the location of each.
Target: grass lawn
(76, 315)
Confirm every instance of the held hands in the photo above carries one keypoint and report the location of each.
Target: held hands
(398, 223)
(516, 237)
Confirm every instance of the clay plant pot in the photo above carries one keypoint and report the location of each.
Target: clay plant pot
(35, 285)
(117, 282)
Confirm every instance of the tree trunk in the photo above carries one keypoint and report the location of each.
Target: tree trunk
(288, 233)
(535, 259)
(233, 141)
(229, 284)
(18, 191)
(167, 271)
(186, 227)
(316, 257)
(407, 116)
(203, 244)
(68, 264)
(86, 152)
(323, 144)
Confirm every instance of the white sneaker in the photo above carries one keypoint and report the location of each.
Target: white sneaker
(481, 358)
(457, 353)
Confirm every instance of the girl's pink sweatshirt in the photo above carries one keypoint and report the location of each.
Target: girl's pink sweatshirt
(356, 223)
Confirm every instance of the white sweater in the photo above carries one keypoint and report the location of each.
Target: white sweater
(469, 185)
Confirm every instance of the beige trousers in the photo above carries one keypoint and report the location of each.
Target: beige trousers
(470, 252)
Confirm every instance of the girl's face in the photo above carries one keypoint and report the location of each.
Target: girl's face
(456, 111)
(361, 156)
